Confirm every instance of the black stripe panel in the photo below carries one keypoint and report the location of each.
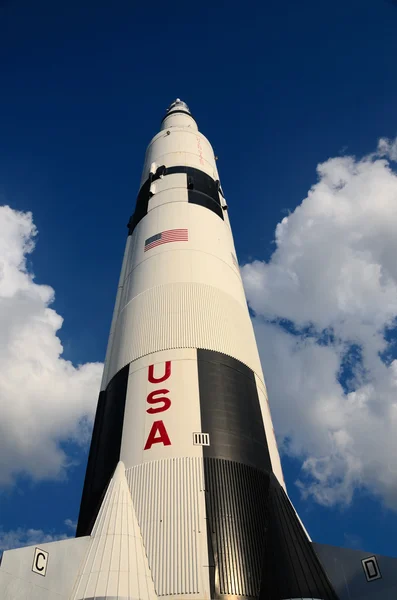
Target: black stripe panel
(105, 449)
(195, 197)
(257, 547)
(237, 519)
(230, 410)
(198, 180)
(141, 207)
(291, 566)
(202, 190)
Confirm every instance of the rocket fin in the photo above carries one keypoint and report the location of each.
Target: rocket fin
(109, 564)
(359, 575)
(116, 565)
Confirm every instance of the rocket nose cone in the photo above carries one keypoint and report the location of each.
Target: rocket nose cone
(178, 104)
(179, 110)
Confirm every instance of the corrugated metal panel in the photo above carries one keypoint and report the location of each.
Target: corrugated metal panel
(166, 496)
(183, 315)
(291, 567)
(256, 540)
(237, 521)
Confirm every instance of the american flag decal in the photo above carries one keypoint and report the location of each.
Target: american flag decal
(165, 237)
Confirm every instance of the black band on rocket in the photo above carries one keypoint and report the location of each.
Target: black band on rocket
(257, 546)
(104, 450)
(230, 410)
(172, 112)
(202, 190)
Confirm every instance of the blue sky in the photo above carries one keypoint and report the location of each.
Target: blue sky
(277, 88)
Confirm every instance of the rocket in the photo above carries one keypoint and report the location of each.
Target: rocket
(183, 402)
(184, 496)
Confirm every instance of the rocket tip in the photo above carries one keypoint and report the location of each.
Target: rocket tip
(178, 104)
(120, 470)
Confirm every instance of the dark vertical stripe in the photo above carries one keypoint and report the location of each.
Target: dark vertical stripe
(291, 567)
(237, 527)
(105, 449)
(235, 467)
(141, 207)
(257, 546)
(230, 410)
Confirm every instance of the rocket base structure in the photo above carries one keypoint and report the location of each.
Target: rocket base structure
(184, 496)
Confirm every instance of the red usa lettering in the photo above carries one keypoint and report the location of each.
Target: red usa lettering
(158, 427)
(167, 373)
(159, 403)
(151, 399)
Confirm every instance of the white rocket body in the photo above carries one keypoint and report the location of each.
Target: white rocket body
(173, 299)
(196, 508)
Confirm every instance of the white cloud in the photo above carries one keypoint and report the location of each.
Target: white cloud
(44, 399)
(70, 524)
(18, 538)
(332, 284)
(388, 148)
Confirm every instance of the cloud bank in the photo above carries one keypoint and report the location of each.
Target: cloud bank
(17, 538)
(44, 399)
(20, 537)
(325, 308)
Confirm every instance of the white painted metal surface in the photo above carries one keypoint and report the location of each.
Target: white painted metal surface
(116, 310)
(20, 580)
(174, 400)
(197, 280)
(183, 315)
(181, 146)
(165, 474)
(173, 524)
